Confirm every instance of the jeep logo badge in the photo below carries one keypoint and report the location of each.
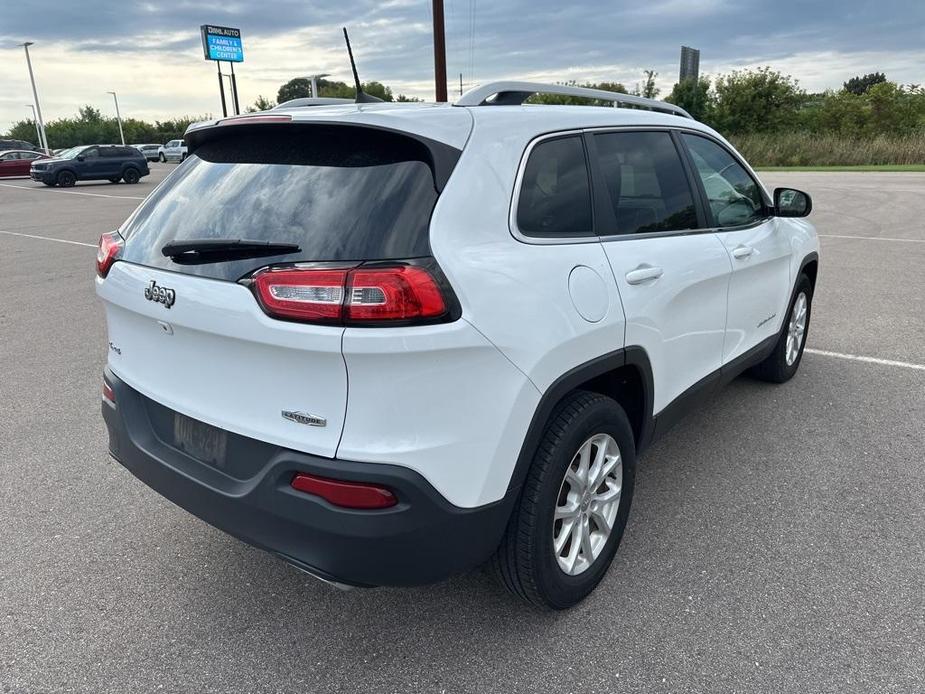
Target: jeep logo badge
(162, 295)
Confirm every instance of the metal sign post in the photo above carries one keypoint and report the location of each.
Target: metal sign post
(224, 44)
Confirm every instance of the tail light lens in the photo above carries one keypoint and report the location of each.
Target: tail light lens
(344, 494)
(313, 296)
(110, 248)
(360, 295)
(108, 393)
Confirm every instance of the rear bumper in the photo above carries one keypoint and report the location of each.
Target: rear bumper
(421, 540)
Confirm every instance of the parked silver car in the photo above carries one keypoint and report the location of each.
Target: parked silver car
(151, 151)
(175, 150)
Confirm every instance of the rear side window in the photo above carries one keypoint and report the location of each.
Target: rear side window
(342, 193)
(646, 182)
(555, 193)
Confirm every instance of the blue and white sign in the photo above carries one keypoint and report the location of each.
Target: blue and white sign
(222, 43)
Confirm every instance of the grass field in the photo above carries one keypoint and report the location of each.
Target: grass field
(859, 167)
(827, 151)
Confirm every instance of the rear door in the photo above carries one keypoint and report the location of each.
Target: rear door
(759, 286)
(10, 165)
(190, 334)
(25, 162)
(671, 270)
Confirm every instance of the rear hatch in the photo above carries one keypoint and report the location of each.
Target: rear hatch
(187, 330)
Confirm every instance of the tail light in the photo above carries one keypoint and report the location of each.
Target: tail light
(367, 295)
(344, 494)
(110, 248)
(108, 393)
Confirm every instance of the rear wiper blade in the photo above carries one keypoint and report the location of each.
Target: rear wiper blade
(216, 250)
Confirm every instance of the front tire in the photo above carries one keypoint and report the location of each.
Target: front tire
(66, 179)
(570, 518)
(162, 158)
(783, 362)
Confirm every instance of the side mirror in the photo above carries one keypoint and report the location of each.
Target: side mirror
(80, 157)
(789, 202)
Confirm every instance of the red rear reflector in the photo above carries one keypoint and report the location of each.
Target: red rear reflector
(110, 247)
(344, 494)
(345, 296)
(108, 393)
(405, 292)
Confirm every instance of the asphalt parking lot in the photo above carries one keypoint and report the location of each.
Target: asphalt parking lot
(776, 541)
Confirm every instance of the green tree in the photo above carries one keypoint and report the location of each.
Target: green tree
(261, 104)
(860, 85)
(560, 100)
(761, 100)
(694, 97)
(297, 88)
(648, 88)
(301, 87)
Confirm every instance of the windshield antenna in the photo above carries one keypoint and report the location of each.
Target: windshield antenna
(362, 97)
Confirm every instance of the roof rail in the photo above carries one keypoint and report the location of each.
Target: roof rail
(515, 93)
(312, 101)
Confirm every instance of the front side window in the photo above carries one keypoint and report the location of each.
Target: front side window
(645, 179)
(735, 198)
(91, 153)
(555, 193)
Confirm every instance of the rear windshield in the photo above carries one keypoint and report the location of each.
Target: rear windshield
(342, 193)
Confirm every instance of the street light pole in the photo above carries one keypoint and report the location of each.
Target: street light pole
(36, 122)
(314, 79)
(118, 116)
(38, 109)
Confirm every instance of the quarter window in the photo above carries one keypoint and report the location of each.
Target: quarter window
(555, 193)
(645, 180)
(735, 198)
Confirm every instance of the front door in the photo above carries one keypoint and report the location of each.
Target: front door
(759, 286)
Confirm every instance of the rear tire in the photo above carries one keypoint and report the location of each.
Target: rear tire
(783, 362)
(538, 560)
(131, 175)
(66, 179)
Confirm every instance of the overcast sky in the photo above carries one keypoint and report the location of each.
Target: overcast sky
(150, 52)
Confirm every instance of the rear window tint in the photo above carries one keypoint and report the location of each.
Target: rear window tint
(342, 193)
(555, 193)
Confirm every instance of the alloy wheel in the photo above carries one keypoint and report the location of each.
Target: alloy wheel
(796, 329)
(587, 505)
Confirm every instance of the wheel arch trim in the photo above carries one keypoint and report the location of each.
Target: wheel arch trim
(634, 356)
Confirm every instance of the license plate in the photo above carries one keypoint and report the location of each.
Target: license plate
(200, 440)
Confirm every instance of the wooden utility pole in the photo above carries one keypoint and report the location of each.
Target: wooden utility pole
(439, 52)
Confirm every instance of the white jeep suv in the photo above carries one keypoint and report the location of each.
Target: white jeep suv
(392, 342)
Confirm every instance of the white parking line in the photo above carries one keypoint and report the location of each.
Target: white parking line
(48, 238)
(869, 238)
(871, 360)
(72, 192)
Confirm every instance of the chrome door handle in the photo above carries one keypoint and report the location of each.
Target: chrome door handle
(643, 273)
(742, 252)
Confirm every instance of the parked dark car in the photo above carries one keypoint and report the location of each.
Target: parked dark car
(92, 163)
(18, 162)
